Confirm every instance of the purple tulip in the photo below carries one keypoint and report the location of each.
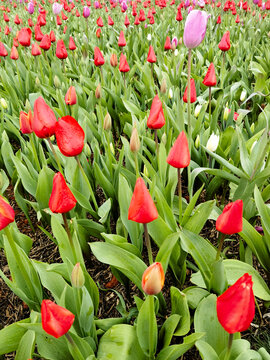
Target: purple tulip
(31, 8)
(57, 8)
(194, 2)
(96, 5)
(175, 41)
(255, 2)
(187, 4)
(86, 12)
(195, 28)
(190, 9)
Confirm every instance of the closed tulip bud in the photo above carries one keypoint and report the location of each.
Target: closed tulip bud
(243, 95)
(156, 119)
(164, 138)
(56, 81)
(176, 52)
(149, 37)
(153, 279)
(44, 119)
(252, 127)
(3, 103)
(107, 125)
(145, 171)
(98, 92)
(37, 81)
(134, 141)
(173, 47)
(170, 95)
(87, 150)
(231, 220)
(197, 142)
(236, 306)
(197, 110)
(55, 319)
(7, 214)
(113, 60)
(77, 276)
(163, 86)
(27, 105)
(112, 148)
(212, 142)
(26, 122)
(71, 97)
(226, 113)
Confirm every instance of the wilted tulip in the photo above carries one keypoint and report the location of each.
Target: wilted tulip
(195, 28)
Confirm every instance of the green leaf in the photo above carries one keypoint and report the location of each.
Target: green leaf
(52, 348)
(200, 216)
(244, 156)
(122, 242)
(206, 350)
(166, 249)
(180, 307)
(123, 260)
(120, 340)
(44, 187)
(104, 210)
(28, 182)
(194, 296)
(168, 329)
(191, 206)
(147, 327)
(11, 336)
(26, 347)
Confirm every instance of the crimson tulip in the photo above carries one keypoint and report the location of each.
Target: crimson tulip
(210, 77)
(24, 36)
(98, 57)
(142, 208)
(123, 64)
(151, 55)
(61, 51)
(231, 219)
(61, 200)
(69, 136)
(236, 306)
(56, 320)
(225, 44)
(45, 43)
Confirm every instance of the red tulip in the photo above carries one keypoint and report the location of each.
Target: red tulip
(7, 214)
(69, 136)
(110, 21)
(127, 22)
(98, 57)
(167, 45)
(6, 18)
(35, 50)
(235, 116)
(7, 31)
(24, 36)
(179, 16)
(151, 55)
(123, 64)
(61, 200)
(137, 21)
(225, 44)
(16, 20)
(26, 122)
(52, 36)
(72, 45)
(193, 96)
(219, 20)
(38, 33)
(113, 60)
(44, 119)
(30, 22)
(100, 22)
(61, 51)
(237, 20)
(153, 279)
(156, 119)
(142, 208)
(179, 156)
(236, 306)
(64, 17)
(45, 43)
(56, 320)
(231, 219)
(41, 21)
(58, 20)
(98, 32)
(122, 40)
(142, 16)
(71, 97)
(210, 77)
(14, 55)
(3, 51)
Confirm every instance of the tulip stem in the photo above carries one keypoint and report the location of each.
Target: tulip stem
(156, 141)
(151, 330)
(19, 77)
(69, 237)
(148, 244)
(31, 136)
(223, 68)
(87, 182)
(189, 118)
(20, 264)
(180, 194)
(152, 74)
(209, 119)
(228, 353)
(136, 165)
(109, 152)
(55, 156)
(76, 354)
(259, 310)
(222, 237)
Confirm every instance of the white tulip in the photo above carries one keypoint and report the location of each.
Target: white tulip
(212, 142)
(149, 37)
(170, 93)
(243, 95)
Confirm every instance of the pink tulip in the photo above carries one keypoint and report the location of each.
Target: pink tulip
(195, 28)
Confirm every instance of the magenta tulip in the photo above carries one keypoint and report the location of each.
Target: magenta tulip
(195, 28)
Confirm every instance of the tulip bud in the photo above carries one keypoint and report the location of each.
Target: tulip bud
(149, 37)
(212, 142)
(170, 95)
(3, 103)
(113, 60)
(164, 138)
(98, 92)
(134, 141)
(87, 150)
(173, 46)
(37, 81)
(163, 87)
(145, 171)
(112, 148)
(153, 279)
(197, 142)
(175, 52)
(27, 105)
(252, 127)
(107, 125)
(226, 113)
(197, 110)
(243, 95)
(77, 277)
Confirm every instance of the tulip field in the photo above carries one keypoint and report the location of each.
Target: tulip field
(134, 180)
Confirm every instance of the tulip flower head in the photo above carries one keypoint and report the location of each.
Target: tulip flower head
(142, 208)
(179, 156)
(195, 28)
(210, 77)
(86, 12)
(231, 219)
(98, 57)
(193, 95)
(26, 122)
(57, 8)
(71, 97)
(151, 58)
(123, 64)
(44, 119)
(61, 51)
(156, 119)
(7, 214)
(153, 279)
(56, 320)
(212, 142)
(61, 200)
(236, 306)
(225, 44)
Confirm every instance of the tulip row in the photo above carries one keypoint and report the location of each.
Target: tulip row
(103, 138)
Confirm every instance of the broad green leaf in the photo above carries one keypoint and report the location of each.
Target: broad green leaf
(200, 216)
(194, 296)
(206, 351)
(168, 329)
(166, 249)
(180, 307)
(26, 347)
(11, 336)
